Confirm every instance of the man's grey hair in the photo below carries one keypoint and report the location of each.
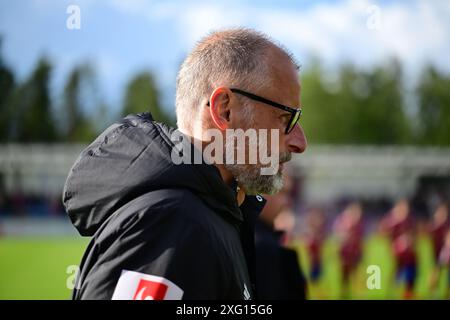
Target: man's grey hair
(233, 58)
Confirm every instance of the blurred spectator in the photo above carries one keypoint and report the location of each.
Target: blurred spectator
(30, 205)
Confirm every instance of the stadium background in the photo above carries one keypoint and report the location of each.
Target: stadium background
(377, 117)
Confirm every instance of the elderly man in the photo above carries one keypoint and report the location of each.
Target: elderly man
(163, 229)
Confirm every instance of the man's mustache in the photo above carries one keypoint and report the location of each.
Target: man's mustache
(285, 157)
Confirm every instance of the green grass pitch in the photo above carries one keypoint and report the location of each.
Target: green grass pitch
(36, 268)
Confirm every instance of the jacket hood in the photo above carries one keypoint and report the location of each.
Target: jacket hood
(131, 158)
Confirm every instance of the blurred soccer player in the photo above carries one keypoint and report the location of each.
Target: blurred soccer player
(314, 239)
(440, 229)
(349, 229)
(444, 262)
(401, 229)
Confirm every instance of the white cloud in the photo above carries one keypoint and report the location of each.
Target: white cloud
(415, 32)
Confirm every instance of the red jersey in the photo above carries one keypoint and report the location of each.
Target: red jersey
(444, 257)
(437, 234)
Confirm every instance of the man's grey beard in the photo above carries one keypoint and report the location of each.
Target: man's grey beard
(250, 178)
(249, 175)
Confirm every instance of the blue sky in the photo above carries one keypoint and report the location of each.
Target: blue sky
(122, 37)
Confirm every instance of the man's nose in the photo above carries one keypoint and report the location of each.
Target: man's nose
(296, 140)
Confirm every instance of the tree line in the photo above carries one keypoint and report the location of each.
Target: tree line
(29, 113)
(348, 106)
(373, 107)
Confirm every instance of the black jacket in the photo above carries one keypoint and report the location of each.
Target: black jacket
(159, 230)
(278, 273)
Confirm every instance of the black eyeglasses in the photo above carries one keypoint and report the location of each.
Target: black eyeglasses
(295, 113)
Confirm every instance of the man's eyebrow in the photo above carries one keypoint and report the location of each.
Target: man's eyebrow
(284, 114)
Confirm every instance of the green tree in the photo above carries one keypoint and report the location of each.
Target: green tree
(77, 126)
(142, 95)
(7, 85)
(33, 114)
(434, 108)
(322, 120)
(380, 115)
(348, 106)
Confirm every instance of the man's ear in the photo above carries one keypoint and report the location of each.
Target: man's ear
(220, 107)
